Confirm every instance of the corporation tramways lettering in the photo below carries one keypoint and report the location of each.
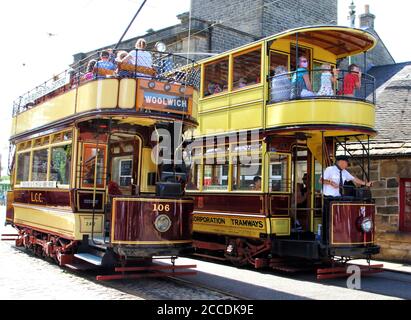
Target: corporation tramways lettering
(209, 220)
(247, 223)
(234, 222)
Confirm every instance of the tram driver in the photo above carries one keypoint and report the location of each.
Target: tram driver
(335, 177)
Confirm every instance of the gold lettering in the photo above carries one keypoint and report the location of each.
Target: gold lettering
(161, 207)
(36, 197)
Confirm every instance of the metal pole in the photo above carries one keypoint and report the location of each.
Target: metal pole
(131, 22)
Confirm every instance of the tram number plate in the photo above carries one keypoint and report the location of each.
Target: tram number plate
(161, 207)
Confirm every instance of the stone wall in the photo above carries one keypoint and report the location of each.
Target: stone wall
(395, 245)
(266, 17)
(283, 15)
(243, 15)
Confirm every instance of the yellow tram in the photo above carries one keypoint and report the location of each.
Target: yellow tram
(88, 186)
(260, 134)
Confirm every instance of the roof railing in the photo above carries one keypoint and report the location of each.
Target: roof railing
(149, 64)
(321, 84)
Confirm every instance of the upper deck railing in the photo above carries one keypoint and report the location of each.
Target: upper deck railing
(146, 64)
(322, 83)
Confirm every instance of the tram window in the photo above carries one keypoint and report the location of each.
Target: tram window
(216, 77)
(247, 69)
(60, 164)
(278, 60)
(246, 177)
(67, 135)
(279, 173)
(125, 170)
(89, 159)
(194, 178)
(215, 177)
(39, 165)
(23, 167)
(302, 51)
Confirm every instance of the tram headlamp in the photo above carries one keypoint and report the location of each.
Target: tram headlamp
(162, 223)
(367, 225)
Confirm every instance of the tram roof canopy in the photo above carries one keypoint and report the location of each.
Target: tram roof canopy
(342, 41)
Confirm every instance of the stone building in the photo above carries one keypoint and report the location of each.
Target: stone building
(380, 55)
(218, 26)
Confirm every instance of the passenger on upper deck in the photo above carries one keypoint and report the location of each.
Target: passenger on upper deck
(352, 80)
(140, 58)
(300, 84)
(89, 70)
(120, 72)
(280, 85)
(104, 67)
(328, 77)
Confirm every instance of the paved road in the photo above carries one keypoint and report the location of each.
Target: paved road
(252, 284)
(23, 276)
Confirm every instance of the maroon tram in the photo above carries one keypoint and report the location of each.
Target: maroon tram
(91, 184)
(273, 115)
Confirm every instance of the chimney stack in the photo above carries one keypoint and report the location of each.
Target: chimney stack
(367, 19)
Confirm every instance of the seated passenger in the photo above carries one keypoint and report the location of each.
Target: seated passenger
(141, 59)
(89, 75)
(300, 82)
(214, 88)
(257, 183)
(328, 77)
(104, 67)
(280, 85)
(352, 80)
(242, 82)
(120, 72)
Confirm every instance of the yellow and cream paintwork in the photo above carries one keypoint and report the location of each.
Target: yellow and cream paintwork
(247, 226)
(59, 221)
(238, 110)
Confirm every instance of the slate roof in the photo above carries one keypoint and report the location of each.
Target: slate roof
(393, 120)
(393, 112)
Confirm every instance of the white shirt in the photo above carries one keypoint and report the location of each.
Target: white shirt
(144, 58)
(333, 174)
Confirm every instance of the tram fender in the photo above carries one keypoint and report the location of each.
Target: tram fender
(295, 248)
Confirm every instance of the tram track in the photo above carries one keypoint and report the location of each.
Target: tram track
(219, 281)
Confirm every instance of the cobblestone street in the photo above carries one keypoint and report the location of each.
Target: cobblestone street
(24, 276)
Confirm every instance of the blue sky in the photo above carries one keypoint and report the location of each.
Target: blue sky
(30, 55)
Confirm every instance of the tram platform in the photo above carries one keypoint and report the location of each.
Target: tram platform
(388, 266)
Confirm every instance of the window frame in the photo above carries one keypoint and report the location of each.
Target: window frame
(29, 147)
(231, 68)
(91, 186)
(402, 227)
(289, 172)
(125, 176)
(229, 81)
(283, 53)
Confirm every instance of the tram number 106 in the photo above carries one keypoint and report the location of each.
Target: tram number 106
(161, 207)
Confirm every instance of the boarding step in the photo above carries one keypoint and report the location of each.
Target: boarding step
(9, 237)
(90, 258)
(80, 265)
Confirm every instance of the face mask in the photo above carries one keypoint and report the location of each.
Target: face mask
(304, 64)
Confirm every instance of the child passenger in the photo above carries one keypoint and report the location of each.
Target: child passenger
(328, 77)
(352, 80)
